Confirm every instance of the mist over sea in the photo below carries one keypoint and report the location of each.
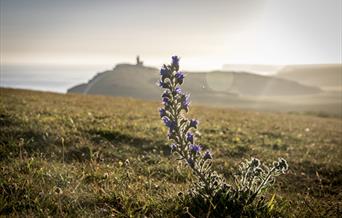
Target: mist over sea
(47, 77)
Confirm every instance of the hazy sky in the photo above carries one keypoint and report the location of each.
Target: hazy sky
(206, 34)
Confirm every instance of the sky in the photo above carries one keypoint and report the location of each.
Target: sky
(205, 34)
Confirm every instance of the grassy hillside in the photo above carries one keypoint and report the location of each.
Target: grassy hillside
(76, 155)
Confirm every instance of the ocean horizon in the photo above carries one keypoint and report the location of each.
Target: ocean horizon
(47, 77)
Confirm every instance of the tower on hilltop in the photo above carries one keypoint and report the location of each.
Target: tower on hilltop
(139, 63)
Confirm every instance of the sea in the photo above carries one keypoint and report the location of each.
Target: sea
(47, 77)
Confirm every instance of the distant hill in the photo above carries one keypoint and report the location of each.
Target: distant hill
(326, 76)
(262, 69)
(140, 82)
(217, 88)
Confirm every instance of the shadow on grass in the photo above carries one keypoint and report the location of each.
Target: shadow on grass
(315, 179)
(139, 143)
(7, 120)
(12, 141)
(18, 142)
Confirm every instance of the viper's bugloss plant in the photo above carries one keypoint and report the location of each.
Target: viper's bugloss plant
(176, 104)
(211, 191)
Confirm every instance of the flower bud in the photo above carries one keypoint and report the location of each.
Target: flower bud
(207, 155)
(179, 77)
(190, 137)
(185, 102)
(162, 112)
(164, 72)
(254, 163)
(193, 123)
(281, 165)
(166, 101)
(175, 61)
(166, 94)
(169, 123)
(173, 147)
(164, 85)
(177, 91)
(195, 148)
(191, 162)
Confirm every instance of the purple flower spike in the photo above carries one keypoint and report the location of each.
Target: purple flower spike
(175, 60)
(162, 112)
(253, 176)
(179, 77)
(193, 123)
(190, 137)
(207, 155)
(195, 148)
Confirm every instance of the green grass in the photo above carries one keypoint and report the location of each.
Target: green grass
(65, 155)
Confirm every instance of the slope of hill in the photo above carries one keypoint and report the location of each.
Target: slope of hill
(64, 155)
(326, 76)
(262, 69)
(123, 80)
(248, 84)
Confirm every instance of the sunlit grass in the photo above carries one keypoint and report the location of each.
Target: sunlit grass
(66, 155)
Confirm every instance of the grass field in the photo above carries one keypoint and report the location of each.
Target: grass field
(92, 156)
